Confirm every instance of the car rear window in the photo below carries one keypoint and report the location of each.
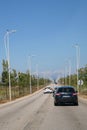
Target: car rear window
(66, 90)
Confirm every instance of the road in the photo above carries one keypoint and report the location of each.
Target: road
(37, 112)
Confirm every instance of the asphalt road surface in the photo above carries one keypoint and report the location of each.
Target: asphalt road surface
(37, 112)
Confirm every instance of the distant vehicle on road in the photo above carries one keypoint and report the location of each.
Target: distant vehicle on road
(48, 90)
(55, 89)
(65, 94)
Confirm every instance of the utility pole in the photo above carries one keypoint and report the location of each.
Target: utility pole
(6, 40)
(30, 56)
(78, 62)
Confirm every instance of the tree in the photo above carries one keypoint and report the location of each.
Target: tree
(5, 72)
(14, 77)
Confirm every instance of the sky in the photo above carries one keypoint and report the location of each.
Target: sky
(46, 31)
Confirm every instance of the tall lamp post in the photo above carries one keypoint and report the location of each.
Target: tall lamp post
(78, 62)
(69, 69)
(37, 77)
(66, 72)
(6, 40)
(30, 56)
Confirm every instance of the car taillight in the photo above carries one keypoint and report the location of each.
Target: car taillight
(74, 94)
(58, 94)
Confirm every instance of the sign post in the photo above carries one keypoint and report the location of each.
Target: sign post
(80, 83)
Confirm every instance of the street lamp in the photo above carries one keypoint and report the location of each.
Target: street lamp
(6, 40)
(37, 77)
(78, 62)
(30, 56)
(69, 71)
(66, 71)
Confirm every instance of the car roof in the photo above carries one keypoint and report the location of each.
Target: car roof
(66, 87)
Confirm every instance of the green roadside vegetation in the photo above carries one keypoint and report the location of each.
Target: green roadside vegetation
(20, 83)
(72, 80)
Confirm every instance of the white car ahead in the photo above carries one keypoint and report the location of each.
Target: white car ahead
(47, 90)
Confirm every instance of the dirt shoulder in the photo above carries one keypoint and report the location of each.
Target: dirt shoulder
(83, 96)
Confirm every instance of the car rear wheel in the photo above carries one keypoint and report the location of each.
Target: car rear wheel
(55, 104)
(76, 104)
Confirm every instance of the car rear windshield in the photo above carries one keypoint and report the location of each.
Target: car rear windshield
(66, 90)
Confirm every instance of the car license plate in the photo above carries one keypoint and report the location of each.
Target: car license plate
(66, 96)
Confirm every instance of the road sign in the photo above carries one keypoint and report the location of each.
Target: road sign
(80, 82)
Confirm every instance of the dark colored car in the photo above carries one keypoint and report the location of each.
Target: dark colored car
(55, 89)
(66, 94)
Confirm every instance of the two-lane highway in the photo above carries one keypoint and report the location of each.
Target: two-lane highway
(16, 115)
(37, 112)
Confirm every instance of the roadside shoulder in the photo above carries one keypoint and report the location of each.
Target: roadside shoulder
(83, 99)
